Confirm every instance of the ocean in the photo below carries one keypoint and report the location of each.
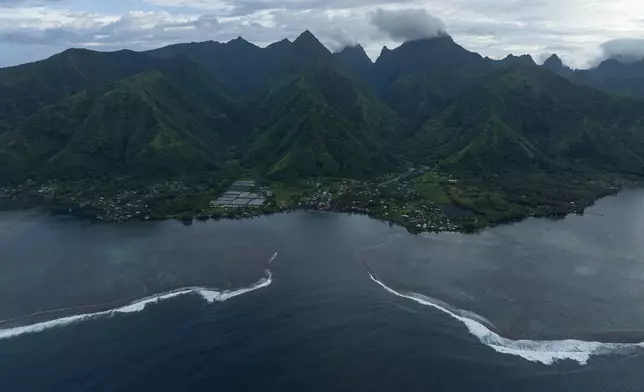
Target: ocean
(323, 302)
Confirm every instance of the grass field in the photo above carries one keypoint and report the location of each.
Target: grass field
(430, 187)
(286, 193)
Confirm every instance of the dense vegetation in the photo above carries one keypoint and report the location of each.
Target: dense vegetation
(508, 129)
(616, 76)
(530, 118)
(143, 125)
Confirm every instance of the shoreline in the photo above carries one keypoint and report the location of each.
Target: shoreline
(418, 199)
(64, 209)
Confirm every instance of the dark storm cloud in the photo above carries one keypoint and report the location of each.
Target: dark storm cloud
(407, 24)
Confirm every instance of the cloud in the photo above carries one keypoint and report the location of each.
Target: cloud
(154, 27)
(493, 28)
(407, 24)
(245, 7)
(627, 50)
(137, 29)
(339, 38)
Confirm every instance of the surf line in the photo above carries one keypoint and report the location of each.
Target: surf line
(208, 295)
(546, 352)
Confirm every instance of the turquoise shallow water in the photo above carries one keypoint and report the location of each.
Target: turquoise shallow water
(321, 322)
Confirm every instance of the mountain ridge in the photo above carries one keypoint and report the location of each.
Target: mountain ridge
(143, 124)
(296, 110)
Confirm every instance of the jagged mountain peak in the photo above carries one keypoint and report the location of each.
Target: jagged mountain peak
(354, 53)
(553, 60)
(439, 45)
(427, 52)
(308, 44)
(353, 48)
(355, 59)
(240, 41)
(524, 59)
(557, 66)
(307, 37)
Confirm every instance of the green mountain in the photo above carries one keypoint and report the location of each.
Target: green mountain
(530, 118)
(557, 66)
(319, 123)
(246, 69)
(26, 88)
(142, 125)
(356, 61)
(512, 60)
(294, 110)
(239, 65)
(310, 118)
(314, 117)
(420, 78)
(614, 76)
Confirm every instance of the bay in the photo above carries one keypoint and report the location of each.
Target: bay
(322, 323)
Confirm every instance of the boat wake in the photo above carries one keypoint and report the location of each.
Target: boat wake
(543, 351)
(209, 295)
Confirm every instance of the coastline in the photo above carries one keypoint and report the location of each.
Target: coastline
(508, 338)
(466, 226)
(418, 199)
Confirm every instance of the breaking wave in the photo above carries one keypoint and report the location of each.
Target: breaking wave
(543, 351)
(209, 295)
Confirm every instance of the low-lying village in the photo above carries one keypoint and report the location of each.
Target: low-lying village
(394, 198)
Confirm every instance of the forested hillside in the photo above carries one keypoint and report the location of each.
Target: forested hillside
(614, 76)
(294, 110)
(527, 117)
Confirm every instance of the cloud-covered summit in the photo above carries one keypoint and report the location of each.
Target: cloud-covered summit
(33, 29)
(627, 50)
(407, 24)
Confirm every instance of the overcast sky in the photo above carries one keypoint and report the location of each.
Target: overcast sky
(580, 31)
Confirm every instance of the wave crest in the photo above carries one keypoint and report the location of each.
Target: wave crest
(543, 351)
(209, 295)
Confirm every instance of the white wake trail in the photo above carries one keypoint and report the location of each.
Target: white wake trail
(209, 295)
(543, 351)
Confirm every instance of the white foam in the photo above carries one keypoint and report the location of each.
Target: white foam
(543, 351)
(272, 258)
(220, 296)
(137, 306)
(39, 327)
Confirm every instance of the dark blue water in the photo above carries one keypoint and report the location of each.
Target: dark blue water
(322, 324)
